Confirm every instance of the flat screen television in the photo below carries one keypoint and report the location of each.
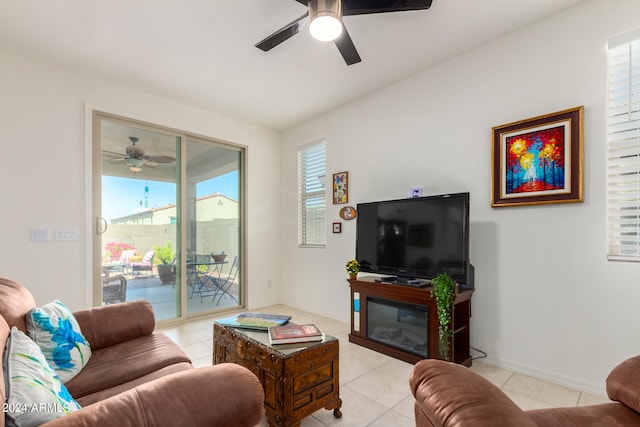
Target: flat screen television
(416, 238)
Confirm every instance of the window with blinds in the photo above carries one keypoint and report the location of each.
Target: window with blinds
(312, 161)
(623, 183)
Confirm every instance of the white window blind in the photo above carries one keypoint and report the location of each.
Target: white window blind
(623, 183)
(312, 161)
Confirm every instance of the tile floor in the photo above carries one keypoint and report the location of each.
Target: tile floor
(374, 388)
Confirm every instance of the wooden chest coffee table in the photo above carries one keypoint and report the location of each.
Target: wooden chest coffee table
(298, 379)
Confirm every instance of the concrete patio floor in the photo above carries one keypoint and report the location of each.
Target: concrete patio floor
(163, 298)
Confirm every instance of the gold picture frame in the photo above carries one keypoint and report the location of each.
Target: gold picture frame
(538, 160)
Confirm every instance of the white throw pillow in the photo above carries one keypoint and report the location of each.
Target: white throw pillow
(34, 392)
(56, 331)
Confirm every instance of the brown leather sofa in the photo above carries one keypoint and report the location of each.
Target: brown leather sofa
(453, 395)
(138, 377)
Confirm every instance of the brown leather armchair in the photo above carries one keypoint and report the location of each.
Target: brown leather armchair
(453, 395)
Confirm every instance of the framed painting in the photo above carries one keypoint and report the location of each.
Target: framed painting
(538, 160)
(337, 227)
(340, 188)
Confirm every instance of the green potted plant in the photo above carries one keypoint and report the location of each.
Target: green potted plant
(444, 292)
(353, 266)
(164, 259)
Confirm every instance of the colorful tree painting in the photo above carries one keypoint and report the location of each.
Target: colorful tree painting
(535, 161)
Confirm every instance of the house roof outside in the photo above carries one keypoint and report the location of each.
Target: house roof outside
(210, 207)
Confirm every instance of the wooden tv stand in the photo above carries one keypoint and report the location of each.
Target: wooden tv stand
(366, 289)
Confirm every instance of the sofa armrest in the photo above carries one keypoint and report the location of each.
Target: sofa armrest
(448, 394)
(623, 383)
(116, 323)
(220, 395)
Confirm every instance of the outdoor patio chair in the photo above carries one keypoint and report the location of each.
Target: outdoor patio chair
(218, 287)
(114, 288)
(198, 273)
(145, 264)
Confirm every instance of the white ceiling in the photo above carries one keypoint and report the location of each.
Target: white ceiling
(202, 52)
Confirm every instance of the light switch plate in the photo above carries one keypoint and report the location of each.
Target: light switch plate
(67, 234)
(39, 234)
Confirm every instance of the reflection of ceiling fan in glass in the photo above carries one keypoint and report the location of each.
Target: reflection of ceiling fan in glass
(136, 158)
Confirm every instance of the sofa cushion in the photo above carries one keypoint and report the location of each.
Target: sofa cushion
(34, 392)
(101, 395)
(54, 328)
(124, 362)
(623, 383)
(116, 323)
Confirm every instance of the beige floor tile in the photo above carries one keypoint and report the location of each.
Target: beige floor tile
(591, 399)
(395, 419)
(198, 350)
(495, 375)
(311, 422)
(552, 394)
(387, 384)
(406, 406)
(357, 362)
(357, 410)
(181, 336)
(203, 361)
(525, 402)
(374, 388)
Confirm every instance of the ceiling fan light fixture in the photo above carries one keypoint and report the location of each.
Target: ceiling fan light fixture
(135, 169)
(133, 162)
(326, 19)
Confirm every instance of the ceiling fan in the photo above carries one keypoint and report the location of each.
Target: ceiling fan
(135, 157)
(330, 12)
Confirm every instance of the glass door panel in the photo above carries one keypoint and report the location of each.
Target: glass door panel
(140, 209)
(213, 252)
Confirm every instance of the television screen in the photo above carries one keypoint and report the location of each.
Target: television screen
(415, 238)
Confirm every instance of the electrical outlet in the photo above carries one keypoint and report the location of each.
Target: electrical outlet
(39, 234)
(67, 234)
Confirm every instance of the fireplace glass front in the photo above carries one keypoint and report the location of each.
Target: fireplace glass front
(397, 324)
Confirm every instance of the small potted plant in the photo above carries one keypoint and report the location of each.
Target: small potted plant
(444, 292)
(164, 259)
(353, 267)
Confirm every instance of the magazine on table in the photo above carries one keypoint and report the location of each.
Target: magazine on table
(288, 334)
(256, 321)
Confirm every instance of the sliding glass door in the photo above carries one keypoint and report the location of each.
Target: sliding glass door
(213, 226)
(168, 212)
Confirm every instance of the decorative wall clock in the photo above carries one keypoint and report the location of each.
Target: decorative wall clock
(348, 212)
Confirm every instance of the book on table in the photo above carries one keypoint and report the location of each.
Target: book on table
(289, 334)
(252, 320)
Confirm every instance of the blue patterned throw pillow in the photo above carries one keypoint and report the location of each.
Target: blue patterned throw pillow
(56, 331)
(34, 392)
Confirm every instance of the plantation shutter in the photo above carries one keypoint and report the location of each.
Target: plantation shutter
(312, 194)
(623, 183)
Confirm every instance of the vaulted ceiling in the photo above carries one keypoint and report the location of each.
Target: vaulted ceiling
(202, 52)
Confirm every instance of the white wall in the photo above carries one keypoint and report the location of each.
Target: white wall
(547, 302)
(42, 111)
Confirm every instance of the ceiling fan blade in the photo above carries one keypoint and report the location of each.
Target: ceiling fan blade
(347, 48)
(117, 156)
(284, 33)
(160, 158)
(361, 7)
